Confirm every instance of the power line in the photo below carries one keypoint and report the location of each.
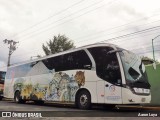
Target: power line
(109, 34)
(95, 34)
(41, 31)
(85, 40)
(104, 31)
(67, 16)
(118, 27)
(149, 47)
(26, 53)
(55, 14)
(126, 35)
(148, 52)
(131, 34)
(115, 38)
(80, 15)
(121, 26)
(123, 40)
(138, 37)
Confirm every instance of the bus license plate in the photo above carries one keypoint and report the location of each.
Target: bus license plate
(143, 99)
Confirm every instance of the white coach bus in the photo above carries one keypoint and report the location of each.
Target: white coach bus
(98, 73)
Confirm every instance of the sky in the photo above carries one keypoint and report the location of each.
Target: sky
(129, 24)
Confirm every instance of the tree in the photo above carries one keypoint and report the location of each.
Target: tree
(57, 44)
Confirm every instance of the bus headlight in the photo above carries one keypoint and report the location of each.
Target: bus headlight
(141, 90)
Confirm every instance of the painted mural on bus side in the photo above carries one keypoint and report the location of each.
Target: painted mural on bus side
(61, 86)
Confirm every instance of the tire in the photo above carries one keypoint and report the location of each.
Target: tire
(17, 98)
(109, 106)
(38, 102)
(84, 100)
(1, 97)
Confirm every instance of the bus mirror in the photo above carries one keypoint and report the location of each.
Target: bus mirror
(154, 65)
(114, 51)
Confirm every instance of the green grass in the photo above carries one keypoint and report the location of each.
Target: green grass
(154, 80)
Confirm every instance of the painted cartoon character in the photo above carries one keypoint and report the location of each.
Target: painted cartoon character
(80, 78)
(64, 92)
(26, 91)
(54, 84)
(73, 87)
(38, 93)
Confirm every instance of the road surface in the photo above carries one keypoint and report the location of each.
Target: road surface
(59, 112)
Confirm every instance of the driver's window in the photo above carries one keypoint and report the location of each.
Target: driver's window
(107, 66)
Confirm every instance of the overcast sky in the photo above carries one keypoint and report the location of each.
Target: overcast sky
(33, 22)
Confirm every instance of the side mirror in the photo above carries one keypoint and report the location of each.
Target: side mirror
(154, 65)
(114, 51)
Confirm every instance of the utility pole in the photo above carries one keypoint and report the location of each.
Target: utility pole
(12, 48)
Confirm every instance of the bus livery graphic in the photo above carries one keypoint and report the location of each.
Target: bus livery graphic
(62, 87)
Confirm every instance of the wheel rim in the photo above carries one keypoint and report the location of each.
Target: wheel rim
(16, 99)
(83, 100)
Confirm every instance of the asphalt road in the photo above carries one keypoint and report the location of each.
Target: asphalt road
(58, 112)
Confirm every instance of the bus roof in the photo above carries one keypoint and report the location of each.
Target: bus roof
(64, 52)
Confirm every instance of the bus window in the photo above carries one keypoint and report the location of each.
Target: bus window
(107, 66)
(70, 61)
(77, 60)
(2, 77)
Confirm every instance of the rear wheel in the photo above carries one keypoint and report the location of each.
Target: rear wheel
(17, 98)
(38, 102)
(84, 100)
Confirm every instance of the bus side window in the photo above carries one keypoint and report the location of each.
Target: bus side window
(107, 67)
(69, 61)
(76, 60)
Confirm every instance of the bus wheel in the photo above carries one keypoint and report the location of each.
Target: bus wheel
(17, 98)
(109, 106)
(38, 102)
(84, 100)
(1, 97)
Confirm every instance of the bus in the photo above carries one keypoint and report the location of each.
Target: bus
(2, 77)
(98, 73)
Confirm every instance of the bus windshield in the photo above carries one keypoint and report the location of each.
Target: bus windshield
(134, 69)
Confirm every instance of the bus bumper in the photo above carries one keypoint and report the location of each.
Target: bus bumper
(130, 98)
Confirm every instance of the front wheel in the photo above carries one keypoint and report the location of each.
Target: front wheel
(1, 97)
(17, 98)
(84, 100)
